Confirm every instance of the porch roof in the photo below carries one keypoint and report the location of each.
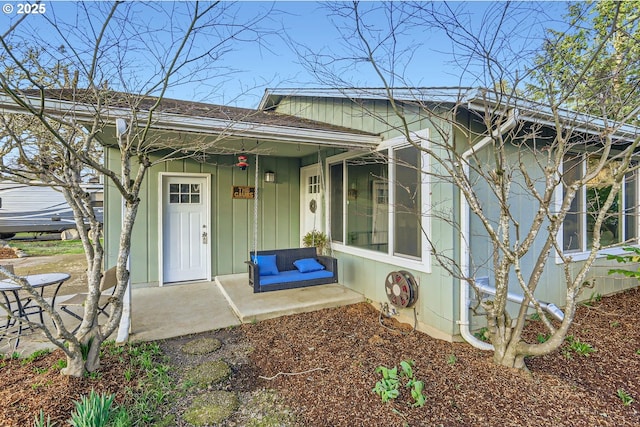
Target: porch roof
(237, 125)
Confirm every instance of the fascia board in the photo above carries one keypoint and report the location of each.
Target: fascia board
(435, 94)
(538, 113)
(254, 130)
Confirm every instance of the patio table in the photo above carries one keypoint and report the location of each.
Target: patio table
(21, 305)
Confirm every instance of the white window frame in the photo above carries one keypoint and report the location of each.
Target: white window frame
(582, 254)
(422, 264)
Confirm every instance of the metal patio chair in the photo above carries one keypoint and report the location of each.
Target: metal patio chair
(108, 282)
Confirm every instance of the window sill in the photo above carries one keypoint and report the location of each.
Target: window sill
(423, 265)
(581, 256)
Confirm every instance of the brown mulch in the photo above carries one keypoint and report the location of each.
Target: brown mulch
(342, 347)
(27, 388)
(7, 253)
(462, 385)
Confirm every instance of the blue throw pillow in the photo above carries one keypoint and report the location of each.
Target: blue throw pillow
(307, 265)
(267, 264)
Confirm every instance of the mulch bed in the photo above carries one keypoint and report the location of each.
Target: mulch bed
(339, 350)
(27, 388)
(463, 386)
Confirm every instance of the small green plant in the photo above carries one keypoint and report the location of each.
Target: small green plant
(632, 256)
(95, 375)
(60, 364)
(482, 334)
(535, 316)
(542, 338)
(316, 239)
(92, 410)
(638, 351)
(40, 421)
(452, 359)
(84, 349)
(595, 297)
(615, 324)
(33, 356)
(578, 347)
(143, 403)
(407, 368)
(387, 387)
(128, 374)
(121, 418)
(416, 392)
(40, 371)
(625, 397)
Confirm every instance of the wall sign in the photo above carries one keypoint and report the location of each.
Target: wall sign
(243, 192)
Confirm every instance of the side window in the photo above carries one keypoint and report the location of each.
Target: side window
(620, 222)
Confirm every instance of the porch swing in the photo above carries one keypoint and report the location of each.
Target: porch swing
(278, 269)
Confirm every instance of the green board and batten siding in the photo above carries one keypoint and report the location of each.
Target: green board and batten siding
(437, 304)
(552, 284)
(232, 221)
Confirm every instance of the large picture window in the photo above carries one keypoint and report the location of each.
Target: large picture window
(620, 223)
(376, 202)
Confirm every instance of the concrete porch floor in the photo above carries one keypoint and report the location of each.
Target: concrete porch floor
(176, 310)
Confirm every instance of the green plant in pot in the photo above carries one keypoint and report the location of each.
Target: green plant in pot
(316, 238)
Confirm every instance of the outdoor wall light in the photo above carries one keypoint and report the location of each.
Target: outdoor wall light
(269, 176)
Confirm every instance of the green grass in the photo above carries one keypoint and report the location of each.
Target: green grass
(49, 247)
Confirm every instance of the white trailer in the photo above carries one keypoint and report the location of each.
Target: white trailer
(39, 209)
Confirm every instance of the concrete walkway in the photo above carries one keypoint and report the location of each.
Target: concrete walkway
(177, 310)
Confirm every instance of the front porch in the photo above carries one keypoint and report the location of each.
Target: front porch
(172, 311)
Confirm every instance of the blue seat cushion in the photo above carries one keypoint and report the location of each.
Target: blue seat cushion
(267, 264)
(307, 265)
(294, 276)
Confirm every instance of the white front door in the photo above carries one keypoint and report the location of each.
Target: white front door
(186, 236)
(311, 197)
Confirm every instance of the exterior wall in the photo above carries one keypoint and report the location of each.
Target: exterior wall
(437, 304)
(552, 284)
(232, 222)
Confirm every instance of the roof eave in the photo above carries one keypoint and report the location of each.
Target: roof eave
(204, 125)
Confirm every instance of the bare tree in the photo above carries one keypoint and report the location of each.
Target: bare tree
(98, 68)
(506, 150)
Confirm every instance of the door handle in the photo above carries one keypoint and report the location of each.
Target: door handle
(204, 237)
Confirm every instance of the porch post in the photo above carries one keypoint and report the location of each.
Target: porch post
(125, 320)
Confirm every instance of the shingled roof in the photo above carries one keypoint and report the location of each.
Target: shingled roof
(143, 103)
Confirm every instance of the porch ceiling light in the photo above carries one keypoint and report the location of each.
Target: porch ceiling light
(269, 176)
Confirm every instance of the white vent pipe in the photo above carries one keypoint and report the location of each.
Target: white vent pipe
(483, 285)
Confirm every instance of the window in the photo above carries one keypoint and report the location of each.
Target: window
(408, 234)
(620, 223)
(375, 202)
(184, 193)
(314, 184)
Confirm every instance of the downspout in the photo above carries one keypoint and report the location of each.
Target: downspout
(466, 234)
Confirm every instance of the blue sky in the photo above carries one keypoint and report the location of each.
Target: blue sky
(274, 64)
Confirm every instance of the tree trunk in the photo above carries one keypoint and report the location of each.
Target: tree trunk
(510, 358)
(86, 356)
(505, 342)
(75, 363)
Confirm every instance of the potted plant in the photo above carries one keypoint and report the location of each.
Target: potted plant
(316, 238)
